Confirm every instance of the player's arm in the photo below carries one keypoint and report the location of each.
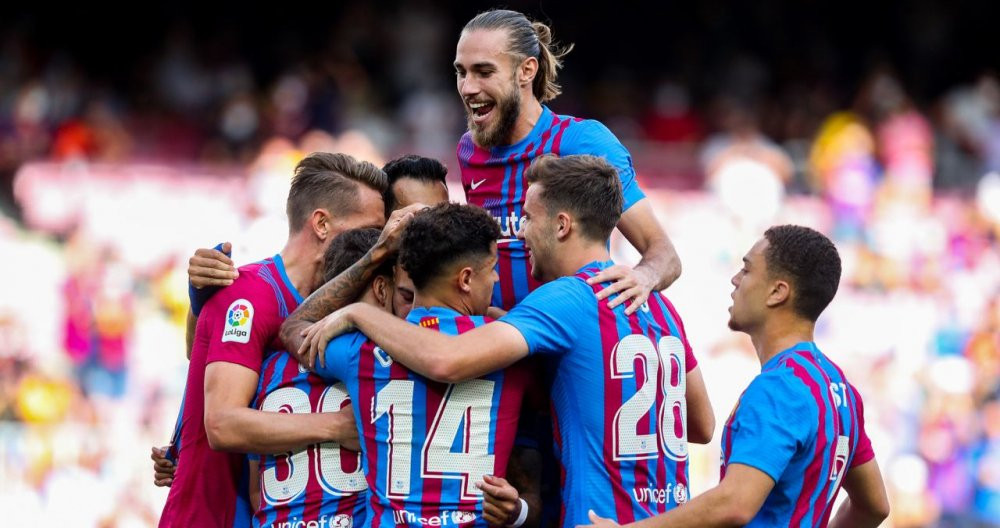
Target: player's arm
(700, 416)
(346, 287)
(440, 357)
(734, 502)
(660, 266)
(232, 426)
(867, 504)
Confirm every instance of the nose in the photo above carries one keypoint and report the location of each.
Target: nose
(735, 280)
(520, 231)
(467, 86)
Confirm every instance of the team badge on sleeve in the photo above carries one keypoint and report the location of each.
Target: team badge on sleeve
(239, 320)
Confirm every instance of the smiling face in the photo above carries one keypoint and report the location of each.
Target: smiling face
(487, 82)
(752, 286)
(538, 232)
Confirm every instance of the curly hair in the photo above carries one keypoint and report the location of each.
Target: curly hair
(443, 235)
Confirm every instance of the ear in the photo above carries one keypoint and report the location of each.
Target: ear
(564, 226)
(465, 279)
(381, 290)
(780, 293)
(527, 70)
(321, 224)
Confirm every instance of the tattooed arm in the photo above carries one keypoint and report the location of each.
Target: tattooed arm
(346, 287)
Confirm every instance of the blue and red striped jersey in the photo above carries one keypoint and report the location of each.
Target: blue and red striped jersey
(802, 423)
(425, 444)
(321, 485)
(494, 179)
(618, 396)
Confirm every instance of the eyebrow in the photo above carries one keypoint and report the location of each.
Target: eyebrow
(476, 66)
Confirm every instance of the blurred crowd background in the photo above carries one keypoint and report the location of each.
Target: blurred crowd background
(126, 145)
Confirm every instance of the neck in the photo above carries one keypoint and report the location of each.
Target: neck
(430, 298)
(301, 262)
(527, 117)
(779, 334)
(577, 254)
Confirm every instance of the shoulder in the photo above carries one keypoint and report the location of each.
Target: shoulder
(588, 132)
(574, 285)
(249, 290)
(779, 384)
(348, 342)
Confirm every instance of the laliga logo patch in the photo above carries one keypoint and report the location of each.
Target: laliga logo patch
(680, 494)
(239, 321)
(342, 521)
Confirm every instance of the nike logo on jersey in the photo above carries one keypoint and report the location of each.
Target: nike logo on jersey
(476, 184)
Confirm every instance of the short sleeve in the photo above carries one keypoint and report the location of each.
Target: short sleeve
(592, 137)
(772, 423)
(241, 320)
(548, 318)
(863, 451)
(341, 352)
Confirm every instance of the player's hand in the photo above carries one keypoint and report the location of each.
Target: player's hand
(346, 431)
(211, 267)
(500, 504)
(629, 283)
(597, 521)
(317, 335)
(392, 233)
(163, 468)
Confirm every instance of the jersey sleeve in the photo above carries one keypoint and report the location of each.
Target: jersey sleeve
(199, 296)
(341, 352)
(548, 318)
(773, 422)
(863, 451)
(592, 137)
(241, 320)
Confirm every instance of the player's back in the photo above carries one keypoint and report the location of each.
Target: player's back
(618, 395)
(495, 179)
(321, 484)
(425, 444)
(825, 435)
(238, 324)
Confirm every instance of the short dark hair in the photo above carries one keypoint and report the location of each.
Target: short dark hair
(412, 166)
(585, 186)
(442, 235)
(328, 180)
(809, 260)
(527, 39)
(348, 247)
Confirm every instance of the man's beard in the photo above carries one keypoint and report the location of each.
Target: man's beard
(507, 107)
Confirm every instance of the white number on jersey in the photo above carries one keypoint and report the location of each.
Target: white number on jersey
(466, 407)
(327, 456)
(671, 416)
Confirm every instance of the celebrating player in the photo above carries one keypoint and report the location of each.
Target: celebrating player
(427, 444)
(627, 391)
(237, 329)
(506, 67)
